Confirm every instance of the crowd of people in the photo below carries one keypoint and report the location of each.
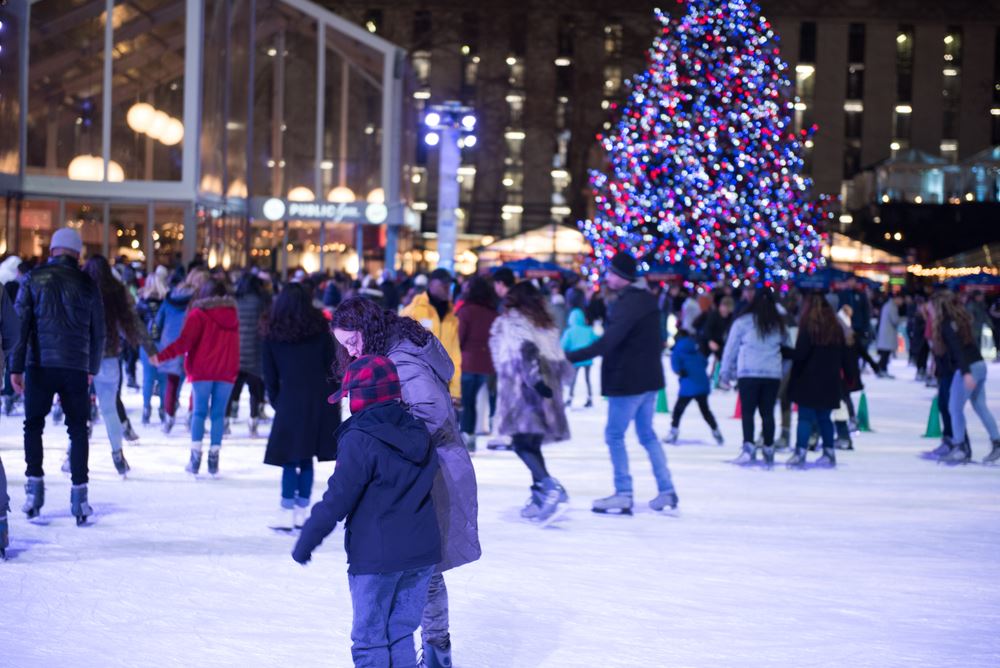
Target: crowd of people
(428, 364)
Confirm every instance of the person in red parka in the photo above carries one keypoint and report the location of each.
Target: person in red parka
(211, 339)
(479, 310)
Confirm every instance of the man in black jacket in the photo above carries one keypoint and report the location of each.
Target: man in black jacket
(59, 352)
(631, 375)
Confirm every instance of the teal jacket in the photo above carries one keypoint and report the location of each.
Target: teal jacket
(578, 335)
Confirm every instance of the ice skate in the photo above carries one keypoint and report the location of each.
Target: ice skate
(299, 516)
(121, 465)
(253, 424)
(768, 452)
(665, 501)
(147, 412)
(961, 453)
(672, 437)
(589, 404)
(168, 424)
(66, 467)
(533, 506)
(470, 442)
(797, 460)
(500, 443)
(827, 460)
(227, 431)
(940, 451)
(194, 464)
(78, 504)
(128, 432)
(747, 456)
(162, 413)
(784, 441)
(994, 455)
(213, 460)
(616, 503)
(34, 497)
(4, 537)
(552, 494)
(131, 382)
(717, 435)
(434, 657)
(843, 444)
(283, 521)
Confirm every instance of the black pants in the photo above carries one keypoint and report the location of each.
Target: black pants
(471, 384)
(861, 341)
(130, 356)
(40, 386)
(119, 406)
(883, 360)
(758, 395)
(256, 385)
(944, 397)
(706, 412)
(586, 376)
(923, 352)
(529, 448)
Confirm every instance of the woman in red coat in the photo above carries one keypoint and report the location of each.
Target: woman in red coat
(475, 318)
(211, 340)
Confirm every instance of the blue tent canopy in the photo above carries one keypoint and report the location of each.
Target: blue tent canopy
(532, 268)
(826, 278)
(982, 280)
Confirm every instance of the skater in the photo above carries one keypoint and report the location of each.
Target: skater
(475, 318)
(211, 341)
(425, 371)
(151, 297)
(691, 366)
(579, 335)
(298, 354)
(714, 330)
(10, 326)
(631, 376)
(121, 323)
(821, 366)
(856, 297)
(531, 368)
(953, 332)
(944, 370)
(888, 330)
(753, 356)
(59, 351)
(252, 302)
(433, 310)
(844, 418)
(382, 484)
(170, 322)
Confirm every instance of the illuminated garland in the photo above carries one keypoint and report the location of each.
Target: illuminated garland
(705, 165)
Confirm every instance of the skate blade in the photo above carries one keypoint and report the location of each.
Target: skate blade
(668, 511)
(288, 531)
(558, 512)
(81, 520)
(612, 511)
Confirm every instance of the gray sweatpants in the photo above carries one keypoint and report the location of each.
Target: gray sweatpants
(434, 622)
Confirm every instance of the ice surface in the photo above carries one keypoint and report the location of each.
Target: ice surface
(887, 561)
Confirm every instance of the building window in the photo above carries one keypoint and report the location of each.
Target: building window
(805, 86)
(995, 109)
(422, 36)
(470, 53)
(904, 64)
(612, 81)
(421, 61)
(952, 74)
(564, 37)
(613, 37)
(807, 42)
(856, 62)
(519, 34)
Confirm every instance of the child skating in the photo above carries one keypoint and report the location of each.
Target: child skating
(579, 335)
(691, 366)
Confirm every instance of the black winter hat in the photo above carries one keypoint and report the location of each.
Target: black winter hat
(441, 274)
(624, 266)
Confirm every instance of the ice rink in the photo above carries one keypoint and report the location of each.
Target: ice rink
(888, 560)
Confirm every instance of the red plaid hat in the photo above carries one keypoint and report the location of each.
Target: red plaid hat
(370, 380)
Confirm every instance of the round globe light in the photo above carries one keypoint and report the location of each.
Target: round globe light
(301, 194)
(376, 196)
(115, 171)
(173, 133)
(158, 125)
(140, 116)
(340, 195)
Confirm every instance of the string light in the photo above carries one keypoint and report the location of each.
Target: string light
(705, 167)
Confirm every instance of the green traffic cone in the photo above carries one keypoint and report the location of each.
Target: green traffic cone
(716, 375)
(934, 421)
(863, 422)
(661, 401)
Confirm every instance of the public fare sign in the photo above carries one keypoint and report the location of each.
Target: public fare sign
(275, 209)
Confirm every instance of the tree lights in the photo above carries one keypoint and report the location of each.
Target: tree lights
(705, 164)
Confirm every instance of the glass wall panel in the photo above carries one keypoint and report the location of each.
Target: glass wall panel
(213, 95)
(10, 111)
(128, 232)
(236, 122)
(147, 129)
(168, 235)
(65, 87)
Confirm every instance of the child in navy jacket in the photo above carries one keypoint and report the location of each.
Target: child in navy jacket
(691, 365)
(382, 485)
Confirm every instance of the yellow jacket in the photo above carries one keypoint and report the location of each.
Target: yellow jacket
(421, 310)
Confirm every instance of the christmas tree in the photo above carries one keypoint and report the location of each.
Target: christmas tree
(705, 163)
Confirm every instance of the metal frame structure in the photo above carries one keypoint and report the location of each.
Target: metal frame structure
(187, 191)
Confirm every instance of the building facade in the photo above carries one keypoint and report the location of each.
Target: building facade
(877, 77)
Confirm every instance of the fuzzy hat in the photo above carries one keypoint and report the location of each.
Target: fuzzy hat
(624, 266)
(68, 238)
(370, 380)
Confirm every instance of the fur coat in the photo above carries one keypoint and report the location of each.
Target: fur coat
(525, 355)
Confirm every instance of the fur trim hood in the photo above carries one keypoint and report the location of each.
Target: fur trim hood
(512, 329)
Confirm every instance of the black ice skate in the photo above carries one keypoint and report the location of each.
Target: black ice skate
(747, 456)
(4, 538)
(961, 453)
(768, 452)
(194, 464)
(828, 460)
(213, 460)
(128, 432)
(78, 504)
(168, 424)
(797, 460)
(121, 465)
(147, 411)
(616, 503)
(940, 451)
(34, 497)
(994, 455)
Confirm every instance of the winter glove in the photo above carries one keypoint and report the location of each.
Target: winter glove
(301, 554)
(544, 390)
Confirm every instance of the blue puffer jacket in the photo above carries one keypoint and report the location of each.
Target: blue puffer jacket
(170, 322)
(578, 335)
(749, 355)
(689, 364)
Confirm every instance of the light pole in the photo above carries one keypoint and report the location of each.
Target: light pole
(449, 126)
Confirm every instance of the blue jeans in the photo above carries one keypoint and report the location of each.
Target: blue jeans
(387, 609)
(622, 411)
(210, 398)
(959, 395)
(106, 387)
(296, 479)
(810, 418)
(471, 382)
(149, 377)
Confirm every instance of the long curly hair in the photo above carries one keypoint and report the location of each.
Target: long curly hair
(379, 329)
(119, 317)
(820, 322)
(948, 312)
(292, 317)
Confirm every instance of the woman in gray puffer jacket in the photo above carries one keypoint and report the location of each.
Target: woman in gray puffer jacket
(425, 370)
(531, 370)
(753, 357)
(252, 302)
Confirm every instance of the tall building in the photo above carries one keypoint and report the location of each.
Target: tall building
(879, 78)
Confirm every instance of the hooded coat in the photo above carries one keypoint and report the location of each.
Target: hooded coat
(250, 308)
(690, 365)
(422, 310)
(578, 334)
(211, 339)
(169, 322)
(524, 356)
(888, 326)
(382, 484)
(424, 374)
